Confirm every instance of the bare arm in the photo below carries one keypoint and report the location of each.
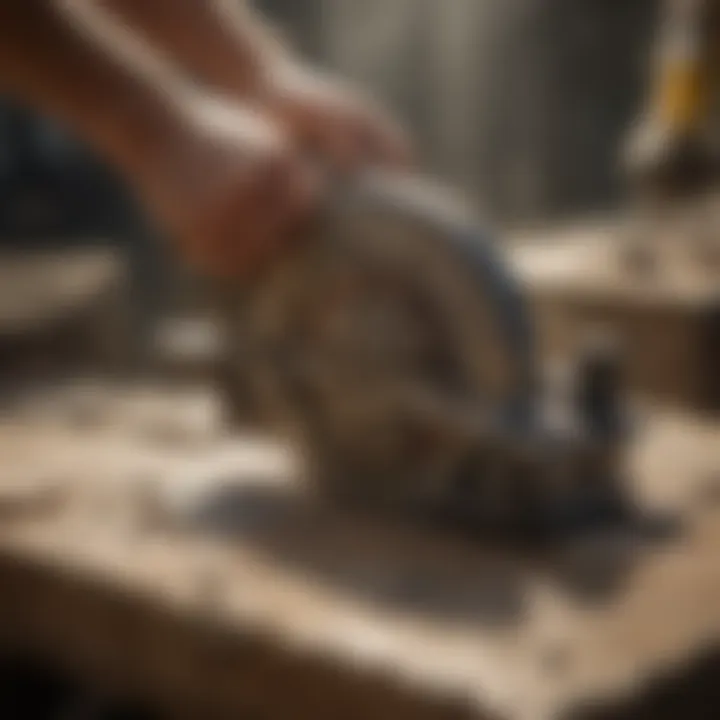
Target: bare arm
(225, 183)
(228, 193)
(222, 44)
(226, 47)
(46, 63)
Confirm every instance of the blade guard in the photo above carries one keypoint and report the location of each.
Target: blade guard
(395, 348)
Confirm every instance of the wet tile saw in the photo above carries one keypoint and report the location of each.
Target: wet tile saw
(396, 349)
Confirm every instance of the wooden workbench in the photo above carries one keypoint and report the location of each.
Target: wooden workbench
(666, 316)
(66, 305)
(142, 549)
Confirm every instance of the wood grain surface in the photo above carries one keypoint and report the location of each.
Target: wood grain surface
(144, 548)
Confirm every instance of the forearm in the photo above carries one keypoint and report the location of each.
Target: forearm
(223, 44)
(47, 63)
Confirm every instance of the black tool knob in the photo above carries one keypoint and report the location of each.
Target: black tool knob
(598, 392)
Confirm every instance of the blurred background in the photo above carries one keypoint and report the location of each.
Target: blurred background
(521, 103)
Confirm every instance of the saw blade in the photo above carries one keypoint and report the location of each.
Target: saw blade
(388, 339)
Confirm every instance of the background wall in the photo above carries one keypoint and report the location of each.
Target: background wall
(523, 102)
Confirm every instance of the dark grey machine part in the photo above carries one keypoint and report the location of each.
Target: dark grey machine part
(395, 349)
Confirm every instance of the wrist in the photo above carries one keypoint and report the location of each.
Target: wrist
(135, 134)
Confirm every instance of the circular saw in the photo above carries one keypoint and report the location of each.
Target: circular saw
(394, 347)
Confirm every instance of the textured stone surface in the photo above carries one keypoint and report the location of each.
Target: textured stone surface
(194, 574)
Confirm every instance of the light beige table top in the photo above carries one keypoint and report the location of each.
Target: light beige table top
(440, 616)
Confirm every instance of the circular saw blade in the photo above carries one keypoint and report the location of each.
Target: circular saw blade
(386, 337)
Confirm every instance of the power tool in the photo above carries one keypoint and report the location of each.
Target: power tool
(395, 349)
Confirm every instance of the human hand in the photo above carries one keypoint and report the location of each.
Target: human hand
(229, 188)
(331, 122)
